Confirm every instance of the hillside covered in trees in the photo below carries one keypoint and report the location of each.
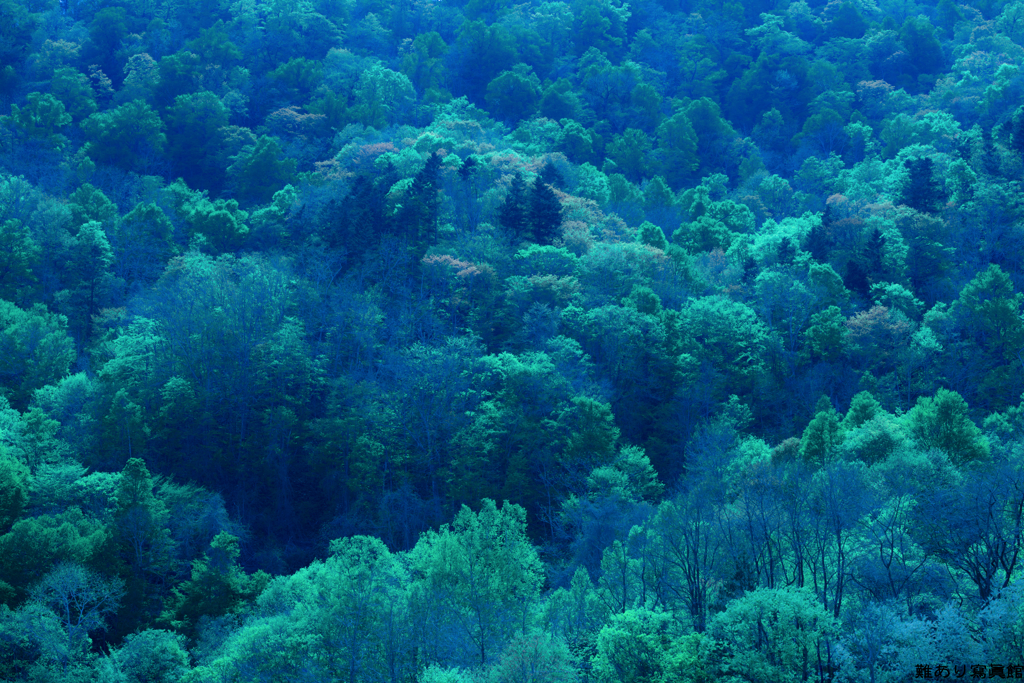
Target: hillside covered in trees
(465, 341)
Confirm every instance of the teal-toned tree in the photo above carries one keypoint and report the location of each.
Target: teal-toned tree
(260, 170)
(130, 136)
(475, 582)
(41, 119)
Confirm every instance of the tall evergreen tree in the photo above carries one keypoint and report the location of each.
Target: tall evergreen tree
(514, 212)
(873, 256)
(1016, 129)
(856, 279)
(922, 191)
(545, 213)
(989, 160)
(819, 242)
(417, 218)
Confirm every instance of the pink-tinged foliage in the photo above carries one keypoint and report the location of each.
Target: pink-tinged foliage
(293, 121)
(463, 269)
(879, 331)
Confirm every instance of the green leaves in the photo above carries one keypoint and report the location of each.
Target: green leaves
(130, 136)
(773, 634)
(384, 96)
(14, 479)
(476, 578)
(42, 118)
(35, 350)
(513, 95)
(944, 422)
(259, 170)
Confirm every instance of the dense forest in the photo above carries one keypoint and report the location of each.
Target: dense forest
(465, 341)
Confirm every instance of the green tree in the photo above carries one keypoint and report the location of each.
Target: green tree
(477, 577)
(35, 350)
(42, 118)
(384, 96)
(424, 64)
(822, 437)
(218, 586)
(260, 170)
(419, 213)
(88, 203)
(944, 422)
(921, 191)
(535, 656)
(630, 152)
(152, 656)
(545, 212)
(774, 635)
(141, 520)
(72, 88)
(988, 314)
(81, 599)
(826, 335)
(644, 646)
(180, 73)
(195, 137)
(35, 545)
(130, 136)
(513, 95)
(19, 254)
(14, 485)
(88, 278)
(514, 211)
(863, 407)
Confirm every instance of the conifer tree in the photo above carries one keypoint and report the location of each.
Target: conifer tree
(514, 212)
(922, 192)
(873, 256)
(545, 213)
(418, 216)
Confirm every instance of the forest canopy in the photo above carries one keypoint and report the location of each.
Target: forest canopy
(469, 341)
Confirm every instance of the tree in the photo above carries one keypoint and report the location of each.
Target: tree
(822, 436)
(691, 547)
(19, 254)
(14, 484)
(538, 657)
(630, 153)
(142, 243)
(988, 315)
(35, 350)
(218, 586)
(476, 579)
(514, 211)
(545, 212)
(81, 599)
(88, 278)
(418, 215)
(826, 335)
(944, 422)
(513, 95)
(72, 88)
(921, 191)
(637, 645)
(774, 635)
(384, 96)
(130, 136)
(260, 170)
(424, 64)
(153, 656)
(924, 53)
(195, 137)
(974, 525)
(42, 118)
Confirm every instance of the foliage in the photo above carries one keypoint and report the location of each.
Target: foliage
(723, 298)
